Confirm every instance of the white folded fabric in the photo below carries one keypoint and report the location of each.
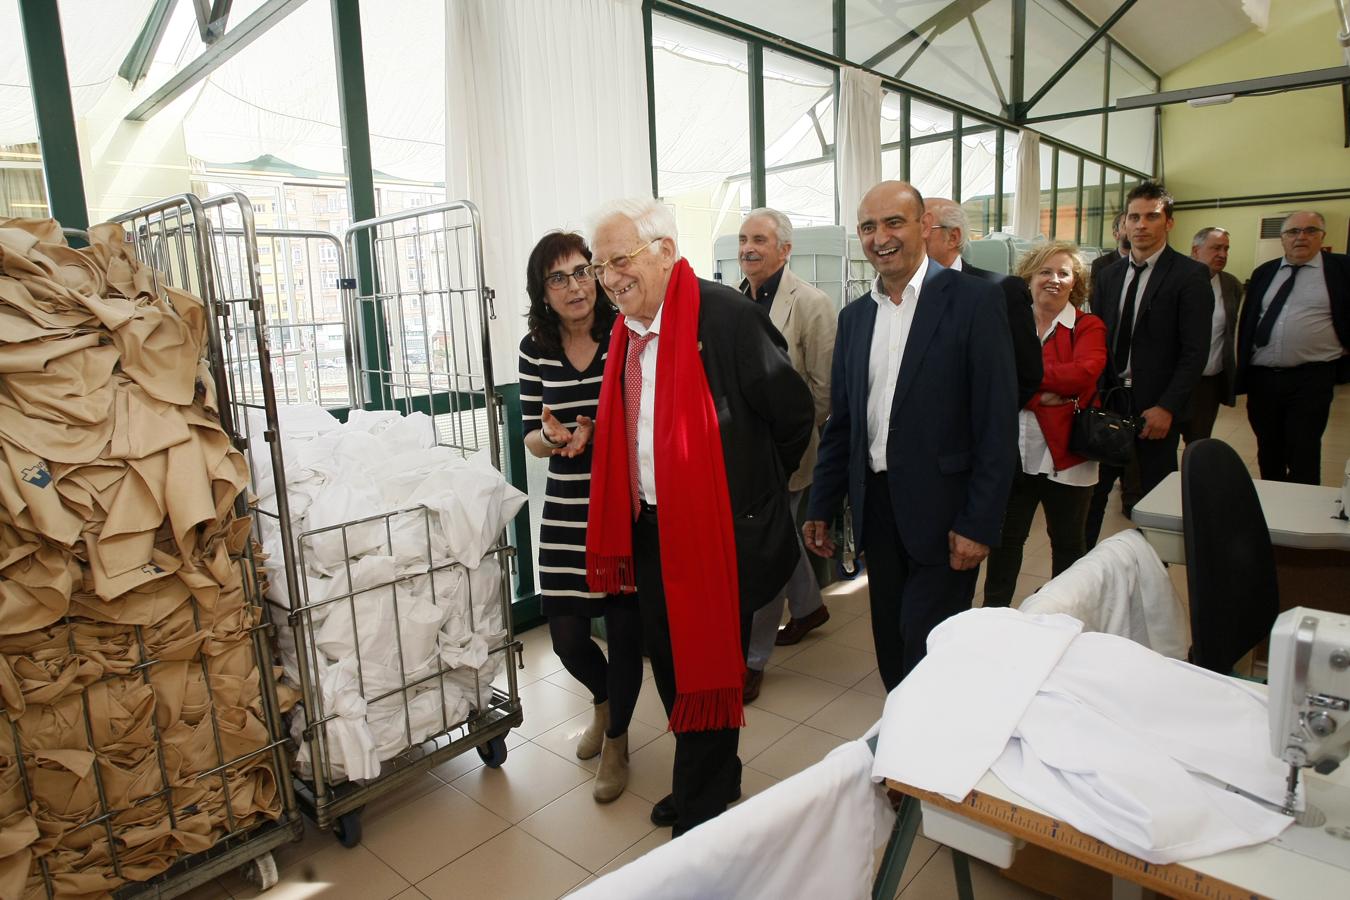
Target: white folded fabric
(1120, 587)
(813, 835)
(947, 722)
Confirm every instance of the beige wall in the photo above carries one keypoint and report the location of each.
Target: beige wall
(1260, 145)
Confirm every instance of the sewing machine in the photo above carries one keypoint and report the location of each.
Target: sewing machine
(1309, 678)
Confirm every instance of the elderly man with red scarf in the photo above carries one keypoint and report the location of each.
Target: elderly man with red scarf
(701, 420)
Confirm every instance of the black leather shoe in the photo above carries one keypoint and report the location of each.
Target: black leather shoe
(796, 629)
(663, 813)
(754, 678)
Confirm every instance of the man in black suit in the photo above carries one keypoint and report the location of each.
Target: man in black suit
(1217, 381)
(1157, 306)
(764, 416)
(1122, 247)
(1292, 344)
(948, 239)
(922, 430)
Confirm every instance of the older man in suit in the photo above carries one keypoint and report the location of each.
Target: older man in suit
(1292, 349)
(922, 430)
(948, 239)
(1217, 381)
(701, 420)
(1157, 306)
(805, 317)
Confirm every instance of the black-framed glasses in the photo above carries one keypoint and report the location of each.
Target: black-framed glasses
(619, 263)
(558, 280)
(1306, 231)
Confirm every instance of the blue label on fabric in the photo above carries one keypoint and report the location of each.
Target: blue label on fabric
(37, 474)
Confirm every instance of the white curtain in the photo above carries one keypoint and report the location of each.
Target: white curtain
(1027, 201)
(546, 120)
(858, 146)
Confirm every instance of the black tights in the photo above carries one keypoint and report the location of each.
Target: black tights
(617, 680)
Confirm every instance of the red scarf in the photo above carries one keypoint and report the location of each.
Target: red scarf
(698, 545)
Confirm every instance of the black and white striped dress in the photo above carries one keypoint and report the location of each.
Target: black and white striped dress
(555, 383)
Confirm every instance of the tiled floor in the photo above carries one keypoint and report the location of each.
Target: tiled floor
(531, 829)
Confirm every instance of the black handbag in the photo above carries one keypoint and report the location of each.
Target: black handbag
(1101, 433)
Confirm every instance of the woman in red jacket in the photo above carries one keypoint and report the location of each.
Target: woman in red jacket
(1073, 347)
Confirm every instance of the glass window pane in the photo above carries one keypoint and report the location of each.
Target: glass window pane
(1110, 209)
(930, 168)
(799, 139)
(891, 106)
(1084, 132)
(1066, 205)
(979, 162)
(964, 55)
(1012, 139)
(809, 22)
(925, 119)
(22, 190)
(702, 133)
(1091, 212)
(1130, 133)
(1054, 32)
(1047, 195)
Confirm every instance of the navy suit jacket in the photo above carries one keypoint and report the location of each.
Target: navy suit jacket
(1336, 271)
(952, 443)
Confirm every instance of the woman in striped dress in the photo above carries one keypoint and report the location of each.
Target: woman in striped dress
(562, 360)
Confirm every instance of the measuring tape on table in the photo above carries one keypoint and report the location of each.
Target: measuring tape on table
(1174, 880)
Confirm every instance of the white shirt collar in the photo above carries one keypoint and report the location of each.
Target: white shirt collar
(1067, 316)
(916, 283)
(958, 264)
(1315, 262)
(654, 328)
(1152, 260)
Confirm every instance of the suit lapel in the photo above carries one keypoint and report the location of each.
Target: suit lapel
(928, 312)
(783, 300)
(860, 359)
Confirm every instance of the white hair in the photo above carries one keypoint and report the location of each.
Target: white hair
(949, 215)
(1321, 219)
(1203, 235)
(653, 219)
(782, 225)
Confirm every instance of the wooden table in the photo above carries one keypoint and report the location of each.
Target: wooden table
(1263, 871)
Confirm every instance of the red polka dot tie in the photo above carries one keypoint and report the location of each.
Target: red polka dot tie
(632, 399)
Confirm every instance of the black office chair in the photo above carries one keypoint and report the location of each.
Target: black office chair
(1230, 564)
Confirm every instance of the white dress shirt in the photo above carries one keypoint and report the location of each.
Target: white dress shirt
(646, 442)
(1215, 364)
(1139, 295)
(1304, 332)
(1031, 445)
(883, 368)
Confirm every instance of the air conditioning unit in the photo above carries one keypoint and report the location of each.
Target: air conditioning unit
(1268, 244)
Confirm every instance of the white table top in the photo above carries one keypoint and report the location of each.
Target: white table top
(1298, 515)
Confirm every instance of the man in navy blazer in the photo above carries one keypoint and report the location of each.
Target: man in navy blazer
(922, 429)
(1293, 338)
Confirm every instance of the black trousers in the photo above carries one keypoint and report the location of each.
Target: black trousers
(1156, 459)
(1288, 410)
(707, 771)
(1205, 401)
(1066, 509)
(909, 599)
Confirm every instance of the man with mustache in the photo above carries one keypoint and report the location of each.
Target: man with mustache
(805, 317)
(1292, 342)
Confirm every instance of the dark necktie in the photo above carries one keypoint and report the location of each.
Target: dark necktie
(1267, 323)
(1125, 330)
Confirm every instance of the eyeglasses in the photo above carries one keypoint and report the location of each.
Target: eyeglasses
(558, 280)
(618, 263)
(1307, 231)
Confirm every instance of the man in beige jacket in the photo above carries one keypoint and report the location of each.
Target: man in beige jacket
(806, 318)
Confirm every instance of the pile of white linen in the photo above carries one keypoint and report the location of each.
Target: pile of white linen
(1121, 742)
(391, 602)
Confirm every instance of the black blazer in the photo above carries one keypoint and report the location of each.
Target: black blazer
(1336, 271)
(1170, 344)
(1022, 326)
(953, 428)
(766, 415)
(1231, 289)
(1098, 264)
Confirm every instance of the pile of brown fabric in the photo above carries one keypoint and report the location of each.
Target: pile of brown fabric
(127, 665)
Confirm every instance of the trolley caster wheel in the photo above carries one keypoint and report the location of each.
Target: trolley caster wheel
(848, 570)
(493, 752)
(261, 873)
(348, 828)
